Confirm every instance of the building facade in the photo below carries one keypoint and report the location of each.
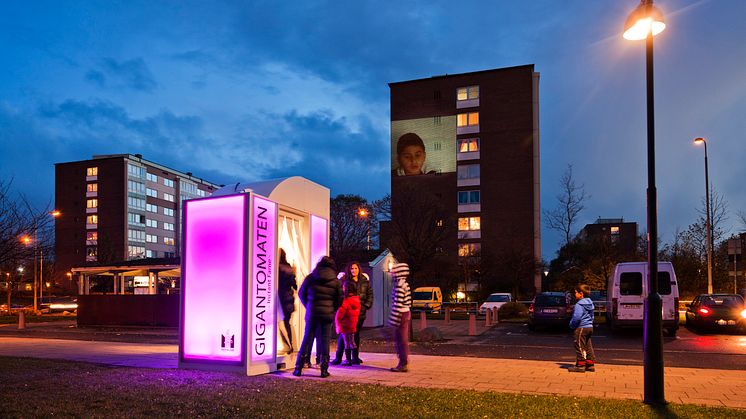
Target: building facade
(120, 207)
(470, 143)
(622, 236)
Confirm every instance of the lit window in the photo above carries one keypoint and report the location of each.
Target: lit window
(467, 119)
(468, 249)
(467, 93)
(91, 236)
(91, 219)
(168, 226)
(168, 240)
(168, 211)
(468, 171)
(151, 238)
(200, 192)
(91, 171)
(614, 230)
(468, 197)
(150, 254)
(92, 187)
(134, 218)
(168, 197)
(468, 223)
(439, 223)
(151, 208)
(466, 145)
(91, 203)
(134, 252)
(91, 252)
(136, 235)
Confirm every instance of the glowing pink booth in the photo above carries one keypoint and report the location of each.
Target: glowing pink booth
(229, 307)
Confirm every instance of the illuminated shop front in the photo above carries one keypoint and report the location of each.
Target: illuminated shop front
(231, 318)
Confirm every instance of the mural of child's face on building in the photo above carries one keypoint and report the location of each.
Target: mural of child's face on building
(411, 159)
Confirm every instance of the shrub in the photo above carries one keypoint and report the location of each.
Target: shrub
(512, 310)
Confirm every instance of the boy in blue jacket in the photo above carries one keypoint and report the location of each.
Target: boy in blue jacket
(582, 322)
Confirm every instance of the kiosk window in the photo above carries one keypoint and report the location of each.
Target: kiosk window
(630, 283)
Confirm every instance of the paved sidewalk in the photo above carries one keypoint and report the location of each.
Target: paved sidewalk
(683, 385)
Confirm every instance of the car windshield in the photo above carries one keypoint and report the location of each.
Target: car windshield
(549, 300)
(723, 300)
(498, 299)
(422, 295)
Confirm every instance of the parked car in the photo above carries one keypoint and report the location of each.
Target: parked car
(717, 311)
(60, 304)
(496, 300)
(428, 299)
(628, 288)
(550, 309)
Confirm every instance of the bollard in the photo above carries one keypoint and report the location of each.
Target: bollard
(21, 320)
(487, 318)
(495, 318)
(423, 320)
(472, 324)
(448, 315)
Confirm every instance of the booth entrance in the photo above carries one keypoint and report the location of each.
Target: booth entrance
(231, 316)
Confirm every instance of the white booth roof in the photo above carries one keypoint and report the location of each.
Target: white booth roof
(295, 192)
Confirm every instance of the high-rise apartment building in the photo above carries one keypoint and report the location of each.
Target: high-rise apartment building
(120, 207)
(469, 143)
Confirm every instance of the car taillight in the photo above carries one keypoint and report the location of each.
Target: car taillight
(531, 308)
(704, 311)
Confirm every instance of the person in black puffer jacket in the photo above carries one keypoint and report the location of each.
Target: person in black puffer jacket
(321, 294)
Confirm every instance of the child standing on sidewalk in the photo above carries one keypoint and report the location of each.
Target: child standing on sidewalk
(400, 316)
(582, 322)
(346, 319)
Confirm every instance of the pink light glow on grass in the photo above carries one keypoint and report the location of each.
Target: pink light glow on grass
(213, 279)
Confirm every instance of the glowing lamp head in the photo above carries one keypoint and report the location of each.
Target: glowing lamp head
(55, 213)
(645, 19)
(460, 295)
(362, 212)
(699, 141)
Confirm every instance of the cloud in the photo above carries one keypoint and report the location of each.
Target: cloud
(132, 74)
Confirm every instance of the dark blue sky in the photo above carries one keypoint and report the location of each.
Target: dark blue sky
(244, 91)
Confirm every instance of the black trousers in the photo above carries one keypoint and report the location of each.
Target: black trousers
(321, 330)
(583, 346)
(341, 342)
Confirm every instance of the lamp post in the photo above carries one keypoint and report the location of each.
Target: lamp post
(363, 213)
(708, 222)
(25, 239)
(645, 22)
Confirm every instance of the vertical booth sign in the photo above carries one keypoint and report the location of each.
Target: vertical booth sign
(263, 279)
(214, 281)
(319, 240)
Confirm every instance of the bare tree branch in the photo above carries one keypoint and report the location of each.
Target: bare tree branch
(570, 202)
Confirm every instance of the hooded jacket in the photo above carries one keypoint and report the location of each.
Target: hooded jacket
(582, 315)
(321, 294)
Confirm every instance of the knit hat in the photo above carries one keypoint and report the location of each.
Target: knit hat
(400, 270)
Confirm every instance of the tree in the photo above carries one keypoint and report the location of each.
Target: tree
(349, 228)
(570, 202)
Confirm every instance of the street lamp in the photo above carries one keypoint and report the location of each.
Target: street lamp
(363, 213)
(645, 22)
(26, 240)
(708, 223)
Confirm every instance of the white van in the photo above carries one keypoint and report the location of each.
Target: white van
(626, 294)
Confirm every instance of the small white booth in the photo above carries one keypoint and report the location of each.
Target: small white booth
(230, 313)
(380, 281)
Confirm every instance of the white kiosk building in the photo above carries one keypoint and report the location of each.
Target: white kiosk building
(230, 312)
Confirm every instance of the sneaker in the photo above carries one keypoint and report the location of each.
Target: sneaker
(399, 368)
(347, 363)
(357, 361)
(590, 368)
(324, 373)
(336, 361)
(577, 368)
(297, 372)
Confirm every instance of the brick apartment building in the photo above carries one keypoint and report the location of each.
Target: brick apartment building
(481, 137)
(120, 207)
(614, 231)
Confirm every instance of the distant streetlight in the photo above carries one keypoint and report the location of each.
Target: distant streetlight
(708, 223)
(26, 240)
(363, 213)
(645, 22)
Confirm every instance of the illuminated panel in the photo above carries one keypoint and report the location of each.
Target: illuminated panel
(213, 279)
(318, 240)
(263, 250)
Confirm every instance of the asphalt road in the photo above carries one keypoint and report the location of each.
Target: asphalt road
(687, 349)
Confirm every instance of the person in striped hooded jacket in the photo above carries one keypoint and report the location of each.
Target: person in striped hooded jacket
(400, 316)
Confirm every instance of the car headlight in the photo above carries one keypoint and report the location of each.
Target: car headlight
(743, 314)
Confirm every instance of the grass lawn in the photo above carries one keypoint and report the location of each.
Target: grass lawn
(44, 388)
(30, 318)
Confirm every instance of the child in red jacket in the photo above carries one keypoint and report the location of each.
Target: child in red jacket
(346, 319)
